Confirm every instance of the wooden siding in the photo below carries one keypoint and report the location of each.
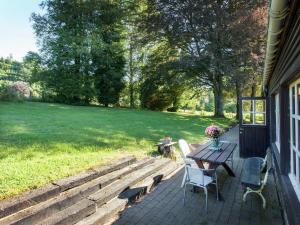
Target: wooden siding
(287, 68)
(286, 71)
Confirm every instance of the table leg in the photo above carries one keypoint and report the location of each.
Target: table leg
(228, 169)
(210, 165)
(200, 164)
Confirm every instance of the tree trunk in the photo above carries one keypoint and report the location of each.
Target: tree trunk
(253, 90)
(238, 95)
(131, 84)
(253, 93)
(218, 97)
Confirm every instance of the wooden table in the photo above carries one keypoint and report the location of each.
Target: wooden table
(215, 158)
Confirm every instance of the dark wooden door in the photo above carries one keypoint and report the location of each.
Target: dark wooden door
(253, 127)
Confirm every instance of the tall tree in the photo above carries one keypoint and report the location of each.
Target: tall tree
(248, 47)
(80, 45)
(202, 30)
(32, 66)
(162, 83)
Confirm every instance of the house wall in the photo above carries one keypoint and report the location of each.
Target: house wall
(286, 71)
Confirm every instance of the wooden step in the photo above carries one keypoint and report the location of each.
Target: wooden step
(112, 190)
(30, 198)
(110, 209)
(71, 215)
(105, 212)
(81, 178)
(33, 197)
(45, 209)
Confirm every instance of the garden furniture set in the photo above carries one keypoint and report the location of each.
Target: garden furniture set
(201, 164)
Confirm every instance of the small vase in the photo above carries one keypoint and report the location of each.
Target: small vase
(216, 143)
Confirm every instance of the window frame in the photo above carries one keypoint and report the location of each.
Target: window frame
(253, 113)
(294, 174)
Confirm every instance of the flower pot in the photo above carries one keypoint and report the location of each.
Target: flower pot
(215, 143)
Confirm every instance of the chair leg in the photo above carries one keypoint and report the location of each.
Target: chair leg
(263, 199)
(259, 192)
(183, 180)
(205, 191)
(217, 189)
(246, 193)
(184, 193)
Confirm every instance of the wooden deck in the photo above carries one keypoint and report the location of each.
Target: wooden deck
(164, 206)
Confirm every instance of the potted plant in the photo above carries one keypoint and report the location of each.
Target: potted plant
(214, 132)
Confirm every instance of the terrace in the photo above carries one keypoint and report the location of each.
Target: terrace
(165, 204)
(146, 191)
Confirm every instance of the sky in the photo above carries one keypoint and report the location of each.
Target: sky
(16, 33)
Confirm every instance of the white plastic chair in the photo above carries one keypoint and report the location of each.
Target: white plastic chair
(196, 177)
(184, 151)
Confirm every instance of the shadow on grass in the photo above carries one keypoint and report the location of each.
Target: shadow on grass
(46, 128)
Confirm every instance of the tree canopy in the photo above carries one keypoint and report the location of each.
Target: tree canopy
(154, 54)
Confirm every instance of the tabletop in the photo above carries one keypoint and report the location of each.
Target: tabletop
(167, 144)
(204, 153)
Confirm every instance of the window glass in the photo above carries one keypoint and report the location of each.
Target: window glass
(247, 105)
(260, 118)
(294, 162)
(298, 98)
(293, 100)
(254, 112)
(293, 132)
(247, 118)
(260, 106)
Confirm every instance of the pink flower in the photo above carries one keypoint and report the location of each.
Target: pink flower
(213, 131)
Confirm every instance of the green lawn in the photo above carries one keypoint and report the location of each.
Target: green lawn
(42, 142)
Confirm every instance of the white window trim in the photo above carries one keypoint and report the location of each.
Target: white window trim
(295, 185)
(277, 121)
(294, 175)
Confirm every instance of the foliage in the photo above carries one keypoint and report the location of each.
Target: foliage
(32, 66)
(42, 142)
(230, 107)
(206, 33)
(15, 91)
(161, 85)
(11, 70)
(80, 46)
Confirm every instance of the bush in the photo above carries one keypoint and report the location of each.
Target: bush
(230, 107)
(16, 91)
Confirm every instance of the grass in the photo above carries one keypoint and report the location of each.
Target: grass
(42, 142)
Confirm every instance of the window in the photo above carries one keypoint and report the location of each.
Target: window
(295, 136)
(254, 112)
(277, 121)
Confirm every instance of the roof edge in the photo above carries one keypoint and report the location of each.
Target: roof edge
(278, 13)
